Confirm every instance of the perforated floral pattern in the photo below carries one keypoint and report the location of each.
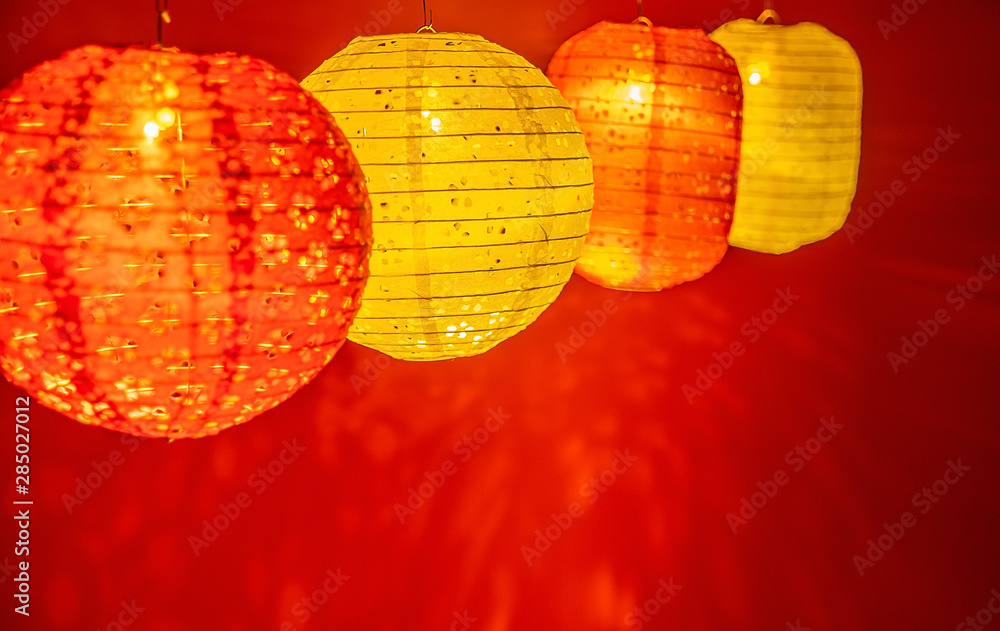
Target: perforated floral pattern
(183, 238)
(481, 188)
(661, 109)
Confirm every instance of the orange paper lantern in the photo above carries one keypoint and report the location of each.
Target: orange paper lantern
(183, 238)
(661, 111)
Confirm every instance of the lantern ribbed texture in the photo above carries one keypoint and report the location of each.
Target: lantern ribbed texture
(480, 183)
(801, 133)
(183, 238)
(660, 109)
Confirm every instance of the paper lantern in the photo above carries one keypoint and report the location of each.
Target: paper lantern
(480, 183)
(183, 238)
(660, 108)
(801, 133)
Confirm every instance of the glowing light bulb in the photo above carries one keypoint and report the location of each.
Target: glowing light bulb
(170, 90)
(165, 117)
(152, 130)
(754, 78)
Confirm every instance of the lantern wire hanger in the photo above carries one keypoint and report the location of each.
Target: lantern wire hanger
(769, 12)
(152, 129)
(428, 25)
(642, 19)
(162, 17)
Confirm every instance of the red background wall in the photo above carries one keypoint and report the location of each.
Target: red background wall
(665, 517)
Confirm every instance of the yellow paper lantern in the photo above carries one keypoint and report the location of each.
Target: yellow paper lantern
(801, 133)
(480, 182)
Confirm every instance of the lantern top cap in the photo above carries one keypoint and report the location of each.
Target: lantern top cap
(391, 37)
(637, 26)
(129, 51)
(170, 70)
(748, 25)
(798, 31)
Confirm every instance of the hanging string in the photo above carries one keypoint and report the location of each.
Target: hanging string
(162, 16)
(769, 13)
(428, 26)
(642, 19)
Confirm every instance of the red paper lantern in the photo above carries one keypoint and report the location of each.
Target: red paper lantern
(183, 238)
(661, 110)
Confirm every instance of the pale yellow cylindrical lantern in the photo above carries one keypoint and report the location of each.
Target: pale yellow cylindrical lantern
(480, 182)
(801, 133)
